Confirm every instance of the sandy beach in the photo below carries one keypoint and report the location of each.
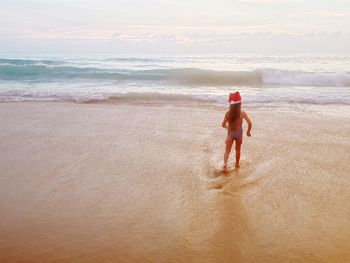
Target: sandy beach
(143, 183)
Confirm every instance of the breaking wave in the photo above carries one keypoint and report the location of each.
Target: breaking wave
(144, 80)
(49, 70)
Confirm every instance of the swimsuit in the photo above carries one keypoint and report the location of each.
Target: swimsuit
(235, 134)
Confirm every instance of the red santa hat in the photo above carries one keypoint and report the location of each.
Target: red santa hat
(234, 98)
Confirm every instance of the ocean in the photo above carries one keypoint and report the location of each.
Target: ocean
(269, 79)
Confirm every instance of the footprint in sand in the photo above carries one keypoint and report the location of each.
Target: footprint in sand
(233, 180)
(221, 178)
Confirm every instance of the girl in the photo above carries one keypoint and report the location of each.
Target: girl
(233, 123)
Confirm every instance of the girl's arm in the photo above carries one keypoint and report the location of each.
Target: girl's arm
(224, 122)
(250, 125)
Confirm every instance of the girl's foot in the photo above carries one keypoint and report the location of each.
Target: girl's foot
(224, 168)
(237, 165)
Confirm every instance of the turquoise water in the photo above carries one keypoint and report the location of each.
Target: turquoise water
(270, 79)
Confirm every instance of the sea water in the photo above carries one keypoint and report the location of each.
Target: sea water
(266, 79)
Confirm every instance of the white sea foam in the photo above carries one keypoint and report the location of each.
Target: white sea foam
(261, 79)
(299, 78)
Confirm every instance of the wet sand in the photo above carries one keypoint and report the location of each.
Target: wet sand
(142, 183)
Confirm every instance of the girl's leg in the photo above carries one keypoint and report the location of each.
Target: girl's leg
(229, 143)
(238, 151)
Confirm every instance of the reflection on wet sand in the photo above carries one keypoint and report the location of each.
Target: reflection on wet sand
(126, 183)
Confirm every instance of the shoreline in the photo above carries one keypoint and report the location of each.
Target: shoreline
(186, 103)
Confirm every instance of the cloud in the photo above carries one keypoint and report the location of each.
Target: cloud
(270, 2)
(323, 14)
(172, 22)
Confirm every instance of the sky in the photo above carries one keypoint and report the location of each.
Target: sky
(175, 26)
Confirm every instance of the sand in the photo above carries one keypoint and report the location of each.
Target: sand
(142, 183)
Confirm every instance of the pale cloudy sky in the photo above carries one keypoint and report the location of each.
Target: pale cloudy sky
(180, 26)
